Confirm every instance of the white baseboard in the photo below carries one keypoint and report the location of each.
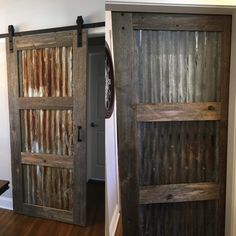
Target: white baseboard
(114, 221)
(6, 203)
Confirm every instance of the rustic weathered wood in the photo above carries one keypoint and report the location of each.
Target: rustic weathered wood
(49, 213)
(45, 103)
(223, 124)
(178, 112)
(47, 160)
(172, 59)
(179, 22)
(79, 117)
(45, 179)
(178, 193)
(13, 90)
(4, 186)
(57, 39)
(128, 169)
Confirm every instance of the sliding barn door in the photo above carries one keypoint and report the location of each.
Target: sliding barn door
(47, 98)
(172, 76)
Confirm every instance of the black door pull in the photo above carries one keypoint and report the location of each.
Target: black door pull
(79, 139)
(93, 124)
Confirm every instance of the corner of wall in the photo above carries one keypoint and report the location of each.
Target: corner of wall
(6, 203)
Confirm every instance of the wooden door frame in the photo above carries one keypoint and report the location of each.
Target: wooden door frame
(122, 26)
(77, 102)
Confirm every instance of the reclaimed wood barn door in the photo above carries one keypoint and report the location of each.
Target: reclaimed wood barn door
(47, 100)
(172, 80)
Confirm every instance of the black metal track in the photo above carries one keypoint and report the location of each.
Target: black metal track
(57, 29)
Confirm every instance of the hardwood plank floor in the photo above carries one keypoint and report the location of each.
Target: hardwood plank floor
(119, 228)
(12, 224)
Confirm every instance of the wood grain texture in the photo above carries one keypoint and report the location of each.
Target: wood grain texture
(178, 193)
(45, 103)
(57, 39)
(223, 125)
(80, 119)
(172, 59)
(43, 71)
(12, 224)
(4, 186)
(124, 81)
(46, 160)
(178, 112)
(14, 116)
(179, 22)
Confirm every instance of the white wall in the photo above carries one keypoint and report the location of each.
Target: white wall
(112, 180)
(186, 6)
(175, 2)
(31, 15)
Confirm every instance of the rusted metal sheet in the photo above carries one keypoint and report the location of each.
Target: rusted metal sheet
(47, 131)
(45, 72)
(48, 187)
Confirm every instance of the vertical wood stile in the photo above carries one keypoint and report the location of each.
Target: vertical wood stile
(122, 25)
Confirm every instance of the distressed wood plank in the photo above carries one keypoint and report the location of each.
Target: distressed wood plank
(48, 213)
(126, 96)
(79, 118)
(14, 116)
(178, 193)
(46, 103)
(51, 160)
(173, 67)
(178, 111)
(57, 39)
(152, 21)
(223, 124)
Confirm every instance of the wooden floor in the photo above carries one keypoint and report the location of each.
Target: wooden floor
(119, 228)
(12, 224)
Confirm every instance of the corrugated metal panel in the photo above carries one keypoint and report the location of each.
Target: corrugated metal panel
(179, 219)
(175, 152)
(46, 186)
(45, 72)
(47, 131)
(177, 66)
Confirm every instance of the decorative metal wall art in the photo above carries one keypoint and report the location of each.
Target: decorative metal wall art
(109, 83)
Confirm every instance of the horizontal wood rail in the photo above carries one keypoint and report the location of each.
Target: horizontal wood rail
(48, 213)
(45, 103)
(187, 22)
(178, 193)
(178, 112)
(50, 160)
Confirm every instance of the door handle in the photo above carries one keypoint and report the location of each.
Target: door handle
(93, 124)
(79, 138)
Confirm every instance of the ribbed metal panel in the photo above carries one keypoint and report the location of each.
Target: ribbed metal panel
(177, 66)
(45, 72)
(175, 152)
(179, 219)
(47, 131)
(46, 186)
